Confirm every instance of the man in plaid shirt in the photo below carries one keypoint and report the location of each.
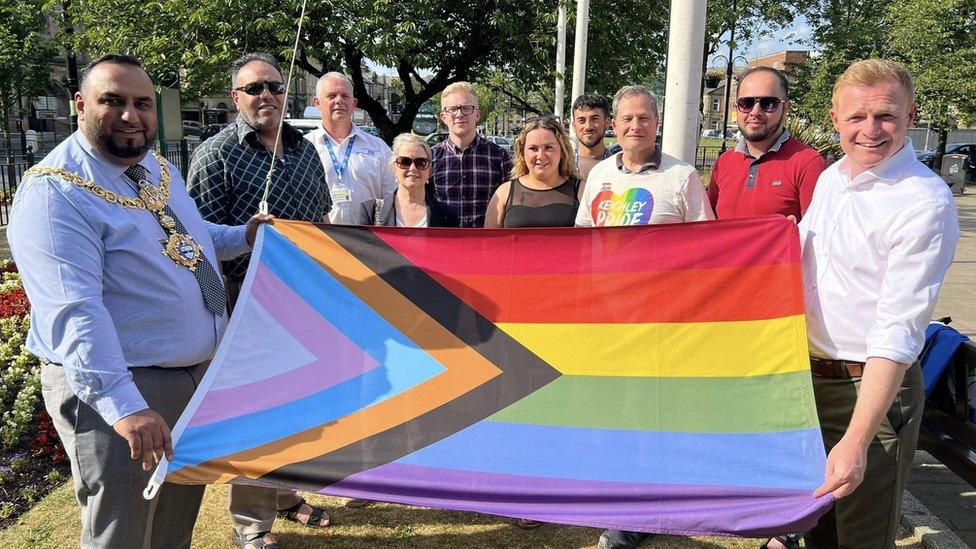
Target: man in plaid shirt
(467, 168)
(227, 179)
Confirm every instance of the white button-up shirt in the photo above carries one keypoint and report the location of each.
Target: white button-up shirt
(875, 251)
(368, 175)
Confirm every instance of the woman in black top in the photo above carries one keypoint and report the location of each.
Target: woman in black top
(543, 191)
(412, 203)
(544, 188)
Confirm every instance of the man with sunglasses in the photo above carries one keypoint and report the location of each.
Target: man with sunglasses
(227, 181)
(357, 164)
(467, 168)
(768, 171)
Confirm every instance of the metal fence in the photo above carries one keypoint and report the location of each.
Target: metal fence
(9, 178)
(927, 139)
(178, 152)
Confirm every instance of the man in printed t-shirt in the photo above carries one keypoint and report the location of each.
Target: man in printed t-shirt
(640, 185)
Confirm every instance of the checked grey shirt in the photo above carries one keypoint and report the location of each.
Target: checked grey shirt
(227, 175)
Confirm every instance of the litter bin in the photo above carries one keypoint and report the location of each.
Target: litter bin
(33, 139)
(954, 172)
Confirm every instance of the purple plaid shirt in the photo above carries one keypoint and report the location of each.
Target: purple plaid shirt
(465, 180)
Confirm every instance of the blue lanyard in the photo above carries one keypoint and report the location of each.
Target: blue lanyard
(340, 169)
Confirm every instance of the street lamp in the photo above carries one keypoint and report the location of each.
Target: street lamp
(728, 71)
(729, 66)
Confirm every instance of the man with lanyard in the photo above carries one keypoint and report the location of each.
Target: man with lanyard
(466, 167)
(591, 118)
(125, 331)
(357, 164)
(639, 186)
(227, 179)
(877, 240)
(768, 171)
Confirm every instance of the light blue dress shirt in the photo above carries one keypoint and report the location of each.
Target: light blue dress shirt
(103, 297)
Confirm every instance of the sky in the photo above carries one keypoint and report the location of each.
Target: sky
(793, 38)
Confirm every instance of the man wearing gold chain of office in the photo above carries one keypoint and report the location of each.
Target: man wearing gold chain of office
(127, 305)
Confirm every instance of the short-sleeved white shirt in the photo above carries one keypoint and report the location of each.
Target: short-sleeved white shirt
(368, 175)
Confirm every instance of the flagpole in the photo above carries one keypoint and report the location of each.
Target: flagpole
(579, 48)
(560, 61)
(686, 45)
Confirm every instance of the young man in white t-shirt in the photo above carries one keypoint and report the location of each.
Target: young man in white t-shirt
(640, 185)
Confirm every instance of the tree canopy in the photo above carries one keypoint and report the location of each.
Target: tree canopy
(26, 51)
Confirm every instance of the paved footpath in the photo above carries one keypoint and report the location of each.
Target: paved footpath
(942, 494)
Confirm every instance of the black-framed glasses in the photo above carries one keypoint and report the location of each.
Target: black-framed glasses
(767, 104)
(404, 163)
(463, 109)
(257, 88)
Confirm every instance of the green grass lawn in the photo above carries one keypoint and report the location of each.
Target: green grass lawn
(54, 523)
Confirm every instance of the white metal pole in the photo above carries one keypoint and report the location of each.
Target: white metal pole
(560, 60)
(686, 45)
(579, 49)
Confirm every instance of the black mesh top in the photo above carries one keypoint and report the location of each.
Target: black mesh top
(554, 207)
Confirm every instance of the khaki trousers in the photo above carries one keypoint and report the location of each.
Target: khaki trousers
(868, 518)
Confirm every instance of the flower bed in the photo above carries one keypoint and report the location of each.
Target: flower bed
(32, 460)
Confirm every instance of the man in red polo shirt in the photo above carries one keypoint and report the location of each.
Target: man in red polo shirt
(768, 171)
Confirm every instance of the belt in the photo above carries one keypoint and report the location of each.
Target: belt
(59, 365)
(845, 369)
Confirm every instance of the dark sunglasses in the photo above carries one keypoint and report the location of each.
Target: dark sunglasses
(404, 163)
(767, 104)
(257, 88)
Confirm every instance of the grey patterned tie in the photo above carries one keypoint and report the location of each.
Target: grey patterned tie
(214, 296)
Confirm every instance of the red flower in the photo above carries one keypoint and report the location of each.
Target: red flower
(14, 303)
(47, 442)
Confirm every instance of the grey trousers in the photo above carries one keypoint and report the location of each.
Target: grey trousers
(868, 517)
(108, 483)
(253, 508)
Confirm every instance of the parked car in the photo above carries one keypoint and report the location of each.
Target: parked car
(502, 142)
(192, 127)
(211, 130)
(436, 138)
(968, 149)
(303, 125)
(609, 133)
(371, 130)
(712, 134)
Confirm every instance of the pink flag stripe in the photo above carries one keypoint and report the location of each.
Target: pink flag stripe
(338, 358)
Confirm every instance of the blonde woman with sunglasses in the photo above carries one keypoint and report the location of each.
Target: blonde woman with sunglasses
(413, 203)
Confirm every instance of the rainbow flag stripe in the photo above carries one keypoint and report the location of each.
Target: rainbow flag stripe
(643, 378)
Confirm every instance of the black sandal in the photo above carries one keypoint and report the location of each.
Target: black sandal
(254, 541)
(790, 541)
(314, 518)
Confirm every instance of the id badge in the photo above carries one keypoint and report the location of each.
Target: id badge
(341, 195)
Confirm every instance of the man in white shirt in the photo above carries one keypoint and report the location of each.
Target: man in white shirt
(877, 240)
(640, 185)
(357, 164)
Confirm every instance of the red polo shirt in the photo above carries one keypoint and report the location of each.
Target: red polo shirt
(780, 181)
